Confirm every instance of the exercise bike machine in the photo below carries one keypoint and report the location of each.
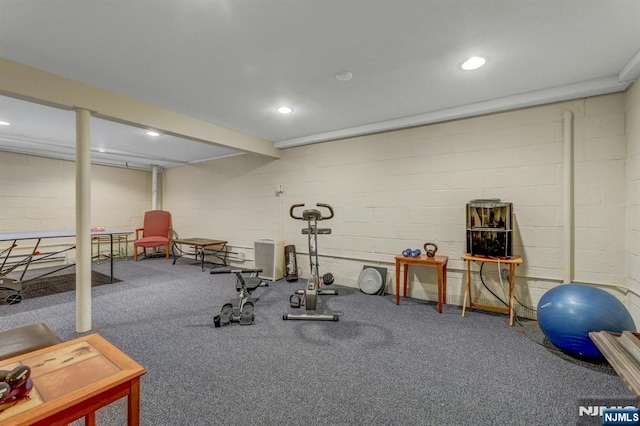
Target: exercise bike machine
(309, 296)
(240, 310)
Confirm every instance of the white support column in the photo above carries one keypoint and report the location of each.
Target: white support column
(568, 197)
(83, 220)
(154, 188)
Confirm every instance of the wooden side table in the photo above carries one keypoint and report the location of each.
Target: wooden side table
(72, 380)
(438, 262)
(201, 245)
(512, 262)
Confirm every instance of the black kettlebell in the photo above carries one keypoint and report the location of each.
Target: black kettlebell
(430, 249)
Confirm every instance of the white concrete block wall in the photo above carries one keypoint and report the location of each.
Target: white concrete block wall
(233, 200)
(403, 188)
(38, 193)
(391, 191)
(632, 196)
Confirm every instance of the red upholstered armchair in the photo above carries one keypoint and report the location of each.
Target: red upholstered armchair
(156, 232)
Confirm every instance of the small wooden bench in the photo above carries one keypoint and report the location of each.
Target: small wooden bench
(622, 350)
(25, 339)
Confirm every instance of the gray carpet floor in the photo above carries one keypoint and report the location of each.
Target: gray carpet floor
(380, 364)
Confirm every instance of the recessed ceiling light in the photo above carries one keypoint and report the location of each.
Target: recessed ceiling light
(284, 110)
(4, 123)
(152, 133)
(473, 63)
(344, 75)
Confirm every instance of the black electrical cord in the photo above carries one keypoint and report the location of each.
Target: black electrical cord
(524, 329)
(524, 306)
(519, 302)
(498, 297)
(488, 289)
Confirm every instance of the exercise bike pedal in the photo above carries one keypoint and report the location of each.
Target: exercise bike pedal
(226, 313)
(295, 301)
(216, 321)
(247, 316)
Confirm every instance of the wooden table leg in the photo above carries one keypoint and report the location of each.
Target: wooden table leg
(444, 283)
(440, 285)
(467, 292)
(512, 295)
(90, 419)
(406, 275)
(133, 403)
(397, 282)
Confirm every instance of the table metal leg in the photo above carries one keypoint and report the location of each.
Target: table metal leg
(111, 244)
(30, 258)
(174, 250)
(6, 253)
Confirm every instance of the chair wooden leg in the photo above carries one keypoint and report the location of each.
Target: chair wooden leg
(135, 253)
(166, 251)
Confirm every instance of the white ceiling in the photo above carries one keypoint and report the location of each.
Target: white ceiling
(232, 62)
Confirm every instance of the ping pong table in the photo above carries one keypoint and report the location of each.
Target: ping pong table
(33, 255)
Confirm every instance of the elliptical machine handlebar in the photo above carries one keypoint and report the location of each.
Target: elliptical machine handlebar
(311, 213)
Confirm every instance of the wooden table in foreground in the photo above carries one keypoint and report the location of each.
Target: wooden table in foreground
(200, 245)
(512, 262)
(438, 262)
(72, 380)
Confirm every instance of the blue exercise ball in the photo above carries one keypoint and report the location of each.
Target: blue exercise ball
(568, 312)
